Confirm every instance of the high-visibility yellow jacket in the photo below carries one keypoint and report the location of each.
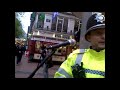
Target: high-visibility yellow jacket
(93, 63)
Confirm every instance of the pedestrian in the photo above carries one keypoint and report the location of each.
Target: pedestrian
(45, 65)
(43, 52)
(24, 48)
(89, 63)
(20, 52)
(48, 64)
(15, 49)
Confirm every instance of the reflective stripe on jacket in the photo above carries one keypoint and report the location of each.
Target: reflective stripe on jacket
(93, 62)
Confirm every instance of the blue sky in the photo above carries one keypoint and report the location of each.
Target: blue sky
(25, 20)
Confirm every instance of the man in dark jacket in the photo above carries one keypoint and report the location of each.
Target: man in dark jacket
(19, 53)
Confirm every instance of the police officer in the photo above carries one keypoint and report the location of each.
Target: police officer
(89, 63)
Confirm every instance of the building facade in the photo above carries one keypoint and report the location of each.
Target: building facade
(50, 28)
(59, 24)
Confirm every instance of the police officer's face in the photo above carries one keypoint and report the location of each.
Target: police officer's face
(97, 38)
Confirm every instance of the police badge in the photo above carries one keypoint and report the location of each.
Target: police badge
(100, 17)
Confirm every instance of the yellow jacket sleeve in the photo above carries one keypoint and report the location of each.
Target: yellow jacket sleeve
(65, 70)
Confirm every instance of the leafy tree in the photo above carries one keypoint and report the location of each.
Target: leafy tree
(18, 26)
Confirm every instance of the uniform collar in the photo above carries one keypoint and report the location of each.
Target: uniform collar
(95, 50)
(98, 55)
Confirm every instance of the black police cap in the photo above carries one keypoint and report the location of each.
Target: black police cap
(95, 21)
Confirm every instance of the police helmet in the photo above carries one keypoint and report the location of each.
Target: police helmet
(95, 21)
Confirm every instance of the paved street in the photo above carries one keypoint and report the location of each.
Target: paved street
(25, 69)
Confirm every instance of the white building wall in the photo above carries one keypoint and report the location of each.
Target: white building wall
(36, 20)
(71, 23)
(48, 17)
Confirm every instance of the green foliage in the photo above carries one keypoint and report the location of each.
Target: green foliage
(41, 17)
(18, 26)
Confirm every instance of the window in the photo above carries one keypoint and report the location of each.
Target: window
(65, 25)
(47, 20)
(40, 22)
(76, 25)
(54, 21)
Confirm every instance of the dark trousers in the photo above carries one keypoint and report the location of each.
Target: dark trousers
(19, 57)
(45, 70)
